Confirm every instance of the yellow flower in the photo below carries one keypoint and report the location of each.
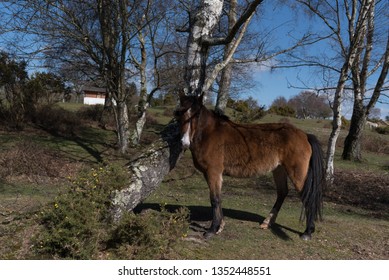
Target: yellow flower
(56, 205)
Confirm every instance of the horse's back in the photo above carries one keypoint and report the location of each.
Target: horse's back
(256, 149)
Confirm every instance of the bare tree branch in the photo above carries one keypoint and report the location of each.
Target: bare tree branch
(209, 41)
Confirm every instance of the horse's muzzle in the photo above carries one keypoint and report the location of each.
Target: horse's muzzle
(185, 143)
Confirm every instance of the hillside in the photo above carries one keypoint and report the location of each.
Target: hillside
(38, 166)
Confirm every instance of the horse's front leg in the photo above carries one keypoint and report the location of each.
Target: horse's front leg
(214, 181)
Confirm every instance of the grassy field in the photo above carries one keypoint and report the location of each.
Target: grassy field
(37, 166)
(347, 232)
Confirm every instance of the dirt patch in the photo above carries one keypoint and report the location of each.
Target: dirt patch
(367, 190)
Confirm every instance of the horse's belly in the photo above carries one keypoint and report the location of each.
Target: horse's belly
(250, 169)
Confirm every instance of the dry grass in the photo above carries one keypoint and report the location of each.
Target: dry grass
(362, 189)
(27, 161)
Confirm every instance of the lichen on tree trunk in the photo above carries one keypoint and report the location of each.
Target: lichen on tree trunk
(147, 171)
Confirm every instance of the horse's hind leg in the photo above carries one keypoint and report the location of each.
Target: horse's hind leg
(214, 181)
(281, 180)
(298, 176)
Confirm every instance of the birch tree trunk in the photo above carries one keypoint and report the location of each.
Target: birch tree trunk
(147, 172)
(352, 144)
(356, 23)
(122, 126)
(225, 79)
(112, 18)
(336, 122)
(143, 103)
(201, 26)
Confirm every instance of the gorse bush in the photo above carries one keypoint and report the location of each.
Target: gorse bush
(78, 225)
(285, 111)
(149, 235)
(73, 225)
(246, 111)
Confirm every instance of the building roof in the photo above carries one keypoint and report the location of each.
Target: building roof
(94, 89)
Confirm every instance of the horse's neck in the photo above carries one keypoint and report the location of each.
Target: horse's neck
(206, 119)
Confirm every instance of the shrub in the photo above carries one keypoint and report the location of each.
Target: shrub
(91, 112)
(375, 144)
(12, 116)
(383, 130)
(78, 225)
(149, 235)
(345, 122)
(57, 120)
(73, 225)
(246, 111)
(285, 111)
(150, 120)
(104, 116)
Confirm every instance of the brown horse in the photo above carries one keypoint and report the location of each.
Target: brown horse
(220, 146)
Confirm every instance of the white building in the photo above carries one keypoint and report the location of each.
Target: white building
(94, 95)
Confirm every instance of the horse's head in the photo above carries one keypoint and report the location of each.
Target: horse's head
(187, 114)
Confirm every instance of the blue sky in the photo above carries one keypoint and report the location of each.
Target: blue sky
(270, 85)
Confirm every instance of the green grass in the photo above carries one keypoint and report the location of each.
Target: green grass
(160, 115)
(246, 202)
(73, 107)
(89, 145)
(370, 162)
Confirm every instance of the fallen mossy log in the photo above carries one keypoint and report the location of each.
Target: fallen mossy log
(148, 170)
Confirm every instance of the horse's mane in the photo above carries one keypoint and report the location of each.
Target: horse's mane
(264, 126)
(220, 115)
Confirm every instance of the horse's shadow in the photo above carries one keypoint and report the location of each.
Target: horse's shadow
(201, 214)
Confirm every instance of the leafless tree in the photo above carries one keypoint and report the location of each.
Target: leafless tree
(226, 73)
(363, 72)
(93, 35)
(345, 23)
(153, 41)
(308, 104)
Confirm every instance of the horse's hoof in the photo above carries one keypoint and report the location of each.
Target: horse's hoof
(264, 226)
(209, 234)
(306, 236)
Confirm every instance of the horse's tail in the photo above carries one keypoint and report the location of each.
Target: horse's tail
(312, 193)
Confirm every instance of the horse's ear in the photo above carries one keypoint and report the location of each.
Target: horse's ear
(181, 95)
(201, 98)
